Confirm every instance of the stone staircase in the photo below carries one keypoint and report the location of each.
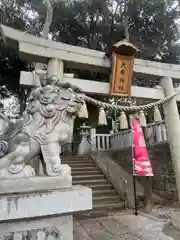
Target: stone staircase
(105, 198)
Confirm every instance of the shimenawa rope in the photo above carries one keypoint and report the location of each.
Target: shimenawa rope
(131, 108)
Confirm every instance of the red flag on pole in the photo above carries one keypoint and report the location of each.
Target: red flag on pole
(141, 161)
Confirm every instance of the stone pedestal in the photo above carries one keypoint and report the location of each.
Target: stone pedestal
(38, 213)
(60, 228)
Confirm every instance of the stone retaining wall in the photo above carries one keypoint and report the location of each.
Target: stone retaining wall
(163, 182)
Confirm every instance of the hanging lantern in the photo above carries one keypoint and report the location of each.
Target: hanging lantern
(122, 67)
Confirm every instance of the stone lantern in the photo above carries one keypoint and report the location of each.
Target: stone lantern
(84, 146)
(123, 53)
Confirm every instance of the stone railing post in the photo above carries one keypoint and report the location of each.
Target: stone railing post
(158, 132)
(93, 139)
(149, 134)
(173, 128)
(164, 132)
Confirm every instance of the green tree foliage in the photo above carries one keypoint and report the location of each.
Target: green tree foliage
(94, 24)
(154, 29)
(11, 15)
(152, 26)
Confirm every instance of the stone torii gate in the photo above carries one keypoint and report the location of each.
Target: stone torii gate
(57, 55)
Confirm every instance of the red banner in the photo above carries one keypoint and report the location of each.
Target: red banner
(141, 161)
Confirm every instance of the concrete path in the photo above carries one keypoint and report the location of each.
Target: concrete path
(125, 227)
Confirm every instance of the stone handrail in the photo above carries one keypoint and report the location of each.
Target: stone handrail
(103, 141)
(113, 141)
(154, 133)
(121, 139)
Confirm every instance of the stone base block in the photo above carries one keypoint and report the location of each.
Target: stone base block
(44, 215)
(175, 219)
(37, 183)
(38, 229)
(45, 203)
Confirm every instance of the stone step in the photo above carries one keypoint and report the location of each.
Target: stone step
(88, 176)
(108, 206)
(98, 214)
(100, 186)
(79, 169)
(106, 199)
(83, 164)
(101, 211)
(69, 162)
(73, 158)
(86, 171)
(77, 159)
(104, 192)
(89, 183)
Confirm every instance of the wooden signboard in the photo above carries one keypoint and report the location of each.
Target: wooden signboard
(122, 71)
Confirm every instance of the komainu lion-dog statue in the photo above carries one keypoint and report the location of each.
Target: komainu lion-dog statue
(45, 126)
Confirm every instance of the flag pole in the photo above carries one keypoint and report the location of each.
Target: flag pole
(134, 177)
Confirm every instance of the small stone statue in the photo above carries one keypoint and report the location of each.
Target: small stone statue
(45, 126)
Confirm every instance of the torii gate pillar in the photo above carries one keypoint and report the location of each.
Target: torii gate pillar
(56, 67)
(173, 128)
